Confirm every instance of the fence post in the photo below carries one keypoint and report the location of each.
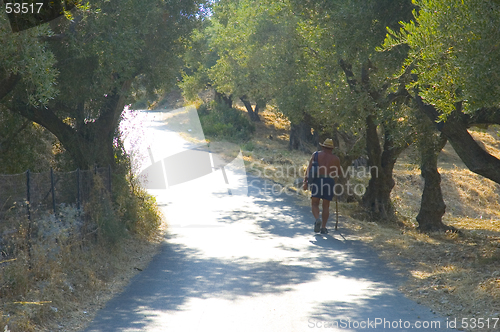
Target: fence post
(109, 179)
(53, 191)
(28, 199)
(28, 196)
(78, 189)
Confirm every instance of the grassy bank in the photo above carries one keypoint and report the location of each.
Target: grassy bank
(59, 276)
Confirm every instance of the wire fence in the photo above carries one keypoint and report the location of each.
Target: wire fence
(30, 194)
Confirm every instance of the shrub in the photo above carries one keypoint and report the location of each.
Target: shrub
(220, 121)
(248, 146)
(135, 207)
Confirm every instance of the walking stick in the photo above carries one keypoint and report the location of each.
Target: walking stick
(337, 212)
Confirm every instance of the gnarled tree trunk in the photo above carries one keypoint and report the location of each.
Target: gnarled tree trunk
(432, 206)
(472, 154)
(92, 142)
(377, 198)
(301, 135)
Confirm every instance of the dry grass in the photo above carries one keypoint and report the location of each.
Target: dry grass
(457, 275)
(58, 277)
(466, 194)
(61, 286)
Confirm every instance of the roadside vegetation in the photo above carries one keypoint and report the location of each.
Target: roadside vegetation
(55, 268)
(223, 122)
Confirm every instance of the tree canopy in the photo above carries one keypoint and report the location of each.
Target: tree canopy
(75, 74)
(321, 63)
(454, 51)
(361, 72)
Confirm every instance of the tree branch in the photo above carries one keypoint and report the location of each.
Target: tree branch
(472, 154)
(48, 119)
(347, 68)
(5, 145)
(8, 84)
(484, 116)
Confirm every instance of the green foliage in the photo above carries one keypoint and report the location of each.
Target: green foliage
(221, 121)
(248, 146)
(26, 55)
(289, 51)
(147, 215)
(80, 71)
(135, 207)
(227, 55)
(454, 51)
(130, 210)
(119, 41)
(238, 70)
(100, 209)
(353, 28)
(198, 58)
(24, 145)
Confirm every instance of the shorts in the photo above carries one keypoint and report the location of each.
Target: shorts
(323, 188)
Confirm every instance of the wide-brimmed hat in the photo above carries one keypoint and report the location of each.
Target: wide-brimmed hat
(328, 143)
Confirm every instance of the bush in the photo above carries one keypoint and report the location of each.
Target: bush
(103, 215)
(248, 146)
(136, 209)
(221, 121)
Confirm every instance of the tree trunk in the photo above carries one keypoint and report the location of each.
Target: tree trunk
(455, 129)
(260, 105)
(93, 143)
(432, 206)
(223, 99)
(301, 136)
(253, 115)
(8, 84)
(377, 198)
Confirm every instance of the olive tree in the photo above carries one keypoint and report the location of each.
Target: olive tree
(99, 55)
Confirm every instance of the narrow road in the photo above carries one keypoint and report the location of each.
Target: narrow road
(250, 261)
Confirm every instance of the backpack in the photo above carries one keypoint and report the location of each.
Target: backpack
(314, 170)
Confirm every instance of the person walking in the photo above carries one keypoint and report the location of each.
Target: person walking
(322, 184)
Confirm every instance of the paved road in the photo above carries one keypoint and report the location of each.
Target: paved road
(250, 262)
